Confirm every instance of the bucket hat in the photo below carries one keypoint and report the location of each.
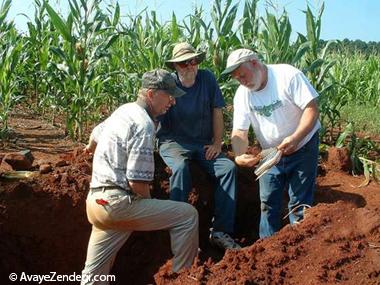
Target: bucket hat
(182, 52)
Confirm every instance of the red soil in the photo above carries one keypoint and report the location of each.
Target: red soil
(43, 225)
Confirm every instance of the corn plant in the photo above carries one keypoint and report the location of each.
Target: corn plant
(317, 64)
(194, 25)
(249, 32)
(35, 70)
(359, 76)
(358, 147)
(10, 57)
(223, 20)
(371, 171)
(144, 44)
(275, 39)
(85, 43)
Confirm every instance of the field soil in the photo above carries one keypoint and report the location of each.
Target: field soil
(43, 224)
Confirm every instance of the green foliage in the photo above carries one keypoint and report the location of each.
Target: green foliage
(91, 60)
(365, 116)
(356, 46)
(358, 147)
(371, 171)
(10, 57)
(359, 77)
(275, 39)
(81, 52)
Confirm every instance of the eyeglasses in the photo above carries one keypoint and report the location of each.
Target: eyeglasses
(188, 62)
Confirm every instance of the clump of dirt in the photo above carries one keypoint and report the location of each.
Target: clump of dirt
(339, 159)
(71, 175)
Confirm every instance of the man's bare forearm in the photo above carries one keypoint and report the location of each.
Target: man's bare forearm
(239, 140)
(218, 125)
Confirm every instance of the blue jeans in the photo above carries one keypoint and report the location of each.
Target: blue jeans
(177, 157)
(296, 173)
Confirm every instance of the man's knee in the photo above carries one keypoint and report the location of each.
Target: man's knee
(228, 167)
(190, 213)
(180, 165)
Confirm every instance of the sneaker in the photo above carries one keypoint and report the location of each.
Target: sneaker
(223, 241)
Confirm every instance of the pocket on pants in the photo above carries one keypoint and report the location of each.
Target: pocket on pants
(106, 211)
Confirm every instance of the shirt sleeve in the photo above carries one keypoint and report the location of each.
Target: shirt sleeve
(301, 90)
(97, 132)
(140, 165)
(241, 119)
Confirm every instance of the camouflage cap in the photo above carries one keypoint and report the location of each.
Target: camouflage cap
(161, 79)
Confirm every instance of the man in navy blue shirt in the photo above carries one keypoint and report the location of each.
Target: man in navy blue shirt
(192, 130)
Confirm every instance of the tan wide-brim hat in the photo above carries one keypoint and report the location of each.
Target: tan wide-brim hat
(183, 52)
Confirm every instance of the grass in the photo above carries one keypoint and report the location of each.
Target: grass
(365, 117)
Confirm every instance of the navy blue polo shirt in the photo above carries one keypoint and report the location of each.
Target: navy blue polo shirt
(190, 119)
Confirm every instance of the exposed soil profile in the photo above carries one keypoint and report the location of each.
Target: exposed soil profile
(43, 224)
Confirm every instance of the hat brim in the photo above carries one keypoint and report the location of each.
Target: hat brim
(231, 68)
(200, 56)
(175, 92)
(238, 63)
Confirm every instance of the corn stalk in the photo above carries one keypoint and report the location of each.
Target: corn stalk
(84, 44)
(35, 72)
(10, 57)
(317, 64)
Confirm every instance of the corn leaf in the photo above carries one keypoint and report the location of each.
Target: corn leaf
(59, 23)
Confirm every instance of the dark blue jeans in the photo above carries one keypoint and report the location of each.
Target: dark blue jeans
(177, 157)
(295, 173)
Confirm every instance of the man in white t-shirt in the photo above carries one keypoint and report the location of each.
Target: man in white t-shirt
(280, 104)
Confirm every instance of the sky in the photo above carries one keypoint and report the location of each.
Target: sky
(352, 19)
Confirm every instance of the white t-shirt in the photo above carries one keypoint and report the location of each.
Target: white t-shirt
(275, 111)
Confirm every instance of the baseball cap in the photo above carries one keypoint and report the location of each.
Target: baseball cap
(238, 57)
(161, 79)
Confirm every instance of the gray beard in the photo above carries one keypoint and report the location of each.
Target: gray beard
(188, 78)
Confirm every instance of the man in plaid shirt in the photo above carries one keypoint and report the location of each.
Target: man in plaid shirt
(119, 201)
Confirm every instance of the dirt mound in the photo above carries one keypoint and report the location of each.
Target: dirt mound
(339, 159)
(335, 243)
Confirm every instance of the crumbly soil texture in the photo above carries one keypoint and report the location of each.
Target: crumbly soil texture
(43, 224)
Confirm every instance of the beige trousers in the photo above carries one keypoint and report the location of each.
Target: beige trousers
(114, 221)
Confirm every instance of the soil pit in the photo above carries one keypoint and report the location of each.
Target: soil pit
(43, 225)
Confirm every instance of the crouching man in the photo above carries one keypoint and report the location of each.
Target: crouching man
(119, 201)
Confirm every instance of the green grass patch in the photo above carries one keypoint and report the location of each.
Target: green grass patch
(366, 118)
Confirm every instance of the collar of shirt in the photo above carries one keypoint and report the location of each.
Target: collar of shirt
(145, 106)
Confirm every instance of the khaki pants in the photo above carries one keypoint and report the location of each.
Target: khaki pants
(114, 222)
